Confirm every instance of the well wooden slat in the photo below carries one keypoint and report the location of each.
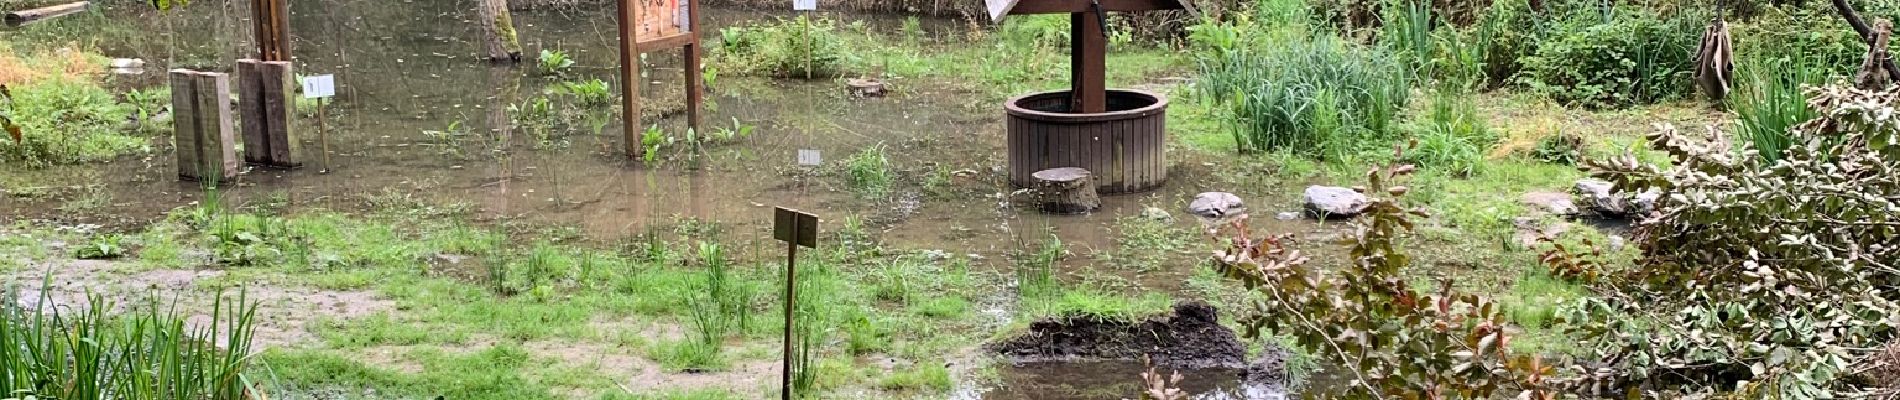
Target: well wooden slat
(1123, 147)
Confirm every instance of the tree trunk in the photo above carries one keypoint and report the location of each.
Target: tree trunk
(499, 27)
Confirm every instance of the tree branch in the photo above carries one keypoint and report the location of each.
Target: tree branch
(1866, 34)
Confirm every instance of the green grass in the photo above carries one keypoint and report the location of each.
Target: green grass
(93, 351)
(869, 172)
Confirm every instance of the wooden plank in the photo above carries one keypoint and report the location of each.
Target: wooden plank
(278, 85)
(1075, 6)
(251, 112)
(270, 20)
(1088, 64)
(185, 122)
(665, 43)
(217, 155)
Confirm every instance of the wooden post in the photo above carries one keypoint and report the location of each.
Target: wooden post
(279, 85)
(1088, 64)
(202, 126)
(217, 136)
(264, 93)
(185, 122)
(629, 79)
(693, 76)
(271, 20)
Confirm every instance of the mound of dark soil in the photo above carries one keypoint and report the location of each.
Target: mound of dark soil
(1191, 338)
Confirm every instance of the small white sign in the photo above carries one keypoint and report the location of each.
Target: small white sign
(319, 86)
(804, 5)
(809, 158)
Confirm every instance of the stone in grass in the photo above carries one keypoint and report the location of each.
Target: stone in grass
(1550, 202)
(1600, 196)
(1325, 202)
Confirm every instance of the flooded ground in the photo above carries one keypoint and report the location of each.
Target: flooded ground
(418, 118)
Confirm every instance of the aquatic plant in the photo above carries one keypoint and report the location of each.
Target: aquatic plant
(79, 351)
(99, 247)
(553, 62)
(869, 172)
(587, 93)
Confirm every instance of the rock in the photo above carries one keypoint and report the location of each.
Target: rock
(1286, 216)
(127, 63)
(1334, 202)
(1217, 208)
(1532, 230)
(1157, 214)
(1645, 202)
(1550, 202)
(1616, 243)
(1600, 197)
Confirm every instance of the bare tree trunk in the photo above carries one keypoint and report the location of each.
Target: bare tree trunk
(499, 27)
(1866, 34)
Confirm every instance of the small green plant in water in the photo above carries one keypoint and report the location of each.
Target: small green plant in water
(101, 247)
(869, 172)
(588, 93)
(554, 62)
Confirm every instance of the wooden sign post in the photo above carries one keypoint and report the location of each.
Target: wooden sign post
(650, 25)
(796, 229)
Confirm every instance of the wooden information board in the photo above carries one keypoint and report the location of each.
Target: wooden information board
(654, 25)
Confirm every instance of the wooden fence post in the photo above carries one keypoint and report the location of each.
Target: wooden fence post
(185, 122)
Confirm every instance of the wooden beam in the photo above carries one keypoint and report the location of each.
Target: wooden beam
(185, 122)
(1076, 6)
(1088, 64)
(666, 43)
(23, 17)
(271, 23)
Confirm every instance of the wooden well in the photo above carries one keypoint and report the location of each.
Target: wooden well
(1118, 135)
(1123, 147)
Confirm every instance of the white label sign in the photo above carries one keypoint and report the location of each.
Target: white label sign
(804, 5)
(319, 86)
(809, 158)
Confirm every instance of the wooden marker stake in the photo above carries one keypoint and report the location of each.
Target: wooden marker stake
(796, 229)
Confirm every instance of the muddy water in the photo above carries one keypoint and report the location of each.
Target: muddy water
(407, 67)
(1113, 380)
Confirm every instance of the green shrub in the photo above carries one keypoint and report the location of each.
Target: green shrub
(1310, 94)
(788, 48)
(65, 121)
(1637, 57)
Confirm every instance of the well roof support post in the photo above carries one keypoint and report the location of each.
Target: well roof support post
(693, 76)
(1088, 62)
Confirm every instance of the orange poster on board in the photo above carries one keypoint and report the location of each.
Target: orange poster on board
(660, 19)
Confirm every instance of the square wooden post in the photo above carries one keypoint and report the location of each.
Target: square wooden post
(271, 25)
(630, 79)
(264, 93)
(202, 126)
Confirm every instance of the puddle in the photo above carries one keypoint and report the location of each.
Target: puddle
(1109, 380)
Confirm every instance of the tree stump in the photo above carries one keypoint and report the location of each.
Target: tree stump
(1066, 191)
(866, 87)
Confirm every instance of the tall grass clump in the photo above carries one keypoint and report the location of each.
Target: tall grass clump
(869, 172)
(1770, 99)
(788, 48)
(1452, 137)
(59, 351)
(1309, 94)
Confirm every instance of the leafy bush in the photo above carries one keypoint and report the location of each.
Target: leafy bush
(1773, 280)
(789, 48)
(1391, 340)
(64, 121)
(1637, 57)
(1311, 94)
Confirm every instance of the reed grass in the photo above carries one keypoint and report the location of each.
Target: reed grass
(60, 351)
